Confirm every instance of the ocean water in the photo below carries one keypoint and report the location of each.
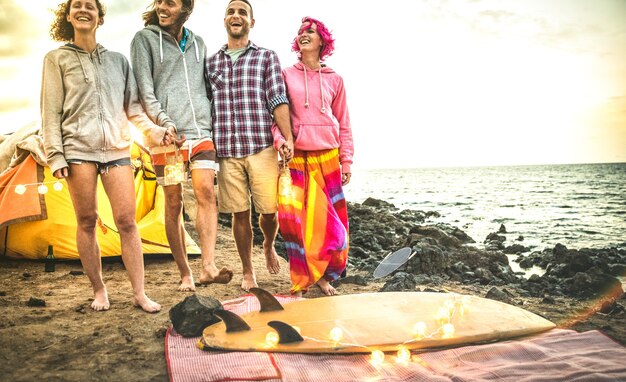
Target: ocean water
(579, 206)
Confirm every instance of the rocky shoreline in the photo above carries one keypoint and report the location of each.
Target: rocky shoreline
(445, 254)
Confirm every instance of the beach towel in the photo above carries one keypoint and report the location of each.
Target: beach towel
(556, 355)
(313, 219)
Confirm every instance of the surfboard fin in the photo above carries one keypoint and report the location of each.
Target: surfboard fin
(268, 302)
(233, 322)
(286, 333)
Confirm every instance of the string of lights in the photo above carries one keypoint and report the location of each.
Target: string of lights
(42, 187)
(456, 306)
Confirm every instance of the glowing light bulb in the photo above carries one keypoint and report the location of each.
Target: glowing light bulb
(42, 189)
(271, 339)
(20, 189)
(419, 330)
(58, 186)
(464, 306)
(442, 316)
(336, 334)
(448, 330)
(404, 355)
(377, 358)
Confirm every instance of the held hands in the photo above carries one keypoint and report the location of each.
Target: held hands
(170, 137)
(62, 173)
(345, 178)
(286, 150)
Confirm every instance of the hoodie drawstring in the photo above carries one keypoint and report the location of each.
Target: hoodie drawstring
(306, 90)
(82, 66)
(197, 55)
(161, 45)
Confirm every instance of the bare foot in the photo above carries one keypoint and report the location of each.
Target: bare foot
(271, 259)
(249, 281)
(325, 287)
(223, 276)
(146, 304)
(101, 301)
(186, 284)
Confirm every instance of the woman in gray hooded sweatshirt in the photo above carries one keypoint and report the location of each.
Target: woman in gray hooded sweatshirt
(168, 62)
(88, 94)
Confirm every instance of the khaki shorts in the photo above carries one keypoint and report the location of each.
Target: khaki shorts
(240, 178)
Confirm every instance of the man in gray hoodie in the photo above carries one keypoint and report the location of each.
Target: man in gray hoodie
(168, 62)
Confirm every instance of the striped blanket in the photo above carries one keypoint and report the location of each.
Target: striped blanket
(556, 355)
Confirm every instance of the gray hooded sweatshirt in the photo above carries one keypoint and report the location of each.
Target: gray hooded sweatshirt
(87, 100)
(172, 84)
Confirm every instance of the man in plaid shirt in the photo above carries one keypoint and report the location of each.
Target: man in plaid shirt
(248, 95)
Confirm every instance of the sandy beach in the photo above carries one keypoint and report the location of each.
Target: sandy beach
(65, 340)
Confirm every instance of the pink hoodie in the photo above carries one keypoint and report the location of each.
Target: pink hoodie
(318, 111)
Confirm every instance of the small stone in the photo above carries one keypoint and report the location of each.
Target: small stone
(36, 302)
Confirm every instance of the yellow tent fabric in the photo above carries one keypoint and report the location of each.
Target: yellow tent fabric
(31, 221)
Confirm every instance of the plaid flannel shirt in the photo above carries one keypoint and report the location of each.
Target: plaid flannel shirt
(244, 96)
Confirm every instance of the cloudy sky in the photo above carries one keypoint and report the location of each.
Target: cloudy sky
(430, 82)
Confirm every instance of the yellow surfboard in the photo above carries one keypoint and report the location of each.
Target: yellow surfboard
(361, 323)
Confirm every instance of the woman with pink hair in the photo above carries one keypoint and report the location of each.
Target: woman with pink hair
(313, 216)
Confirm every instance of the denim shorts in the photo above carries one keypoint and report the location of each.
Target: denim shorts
(103, 168)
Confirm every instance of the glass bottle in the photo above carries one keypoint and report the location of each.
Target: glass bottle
(174, 171)
(284, 182)
(50, 260)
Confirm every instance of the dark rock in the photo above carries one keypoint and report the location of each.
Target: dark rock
(515, 249)
(548, 300)
(440, 236)
(357, 252)
(520, 238)
(429, 259)
(36, 302)
(378, 203)
(77, 273)
(485, 276)
(353, 279)
(460, 267)
(607, 306)
(498, 295)
(400, 282)
(526, 263)
(534, 278)
(160, 332)
(559, 251)
(614, 269)
(190, 316)
(579, 261)
(126, 334)
(494, 237)
(26, 275)
(502, 229)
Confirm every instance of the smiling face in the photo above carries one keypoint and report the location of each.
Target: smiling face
(238, 20)
(309, 40)
(169, 12)
(84, 15)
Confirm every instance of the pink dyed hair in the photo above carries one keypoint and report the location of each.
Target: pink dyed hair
(327, 38)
